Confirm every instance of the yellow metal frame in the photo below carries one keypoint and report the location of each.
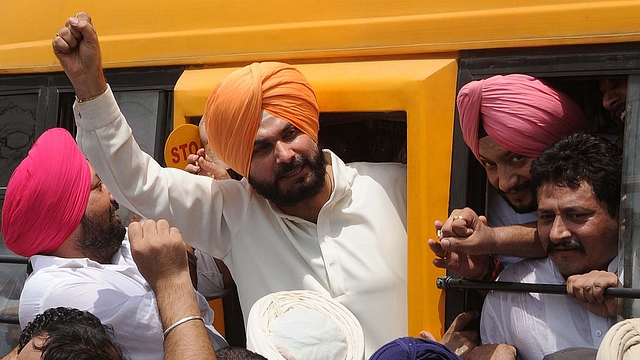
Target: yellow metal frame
(193, 32)
(425, 89)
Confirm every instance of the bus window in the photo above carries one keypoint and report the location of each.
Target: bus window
(577, 71)
(365, 136)
(141, 110)
(17, 131)
(630, 207)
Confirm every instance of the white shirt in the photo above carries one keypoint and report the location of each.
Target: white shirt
(116, 293)
(356, 253)
(500, 213)
(539, 324)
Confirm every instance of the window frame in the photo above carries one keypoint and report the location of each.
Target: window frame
(468, 180)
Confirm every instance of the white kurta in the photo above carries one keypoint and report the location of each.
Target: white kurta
(356, 253)
(116, 293)
(539, 324)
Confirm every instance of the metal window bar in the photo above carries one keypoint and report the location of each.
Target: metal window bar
(445, 282)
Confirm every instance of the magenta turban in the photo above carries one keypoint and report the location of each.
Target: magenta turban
(519, 112)
(47, 195)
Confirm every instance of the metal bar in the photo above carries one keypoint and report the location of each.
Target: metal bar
(9, 319)
(447, 282)
(11, 259)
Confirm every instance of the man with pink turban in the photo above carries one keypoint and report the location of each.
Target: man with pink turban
(507, 121)
(58, 213)
(301, 219)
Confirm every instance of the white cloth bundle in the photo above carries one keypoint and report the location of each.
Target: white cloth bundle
(302, 324)
(622, 341)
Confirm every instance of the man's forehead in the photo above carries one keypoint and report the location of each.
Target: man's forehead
(489, 148)
(613, 83)
(565, 196)
(271, 122)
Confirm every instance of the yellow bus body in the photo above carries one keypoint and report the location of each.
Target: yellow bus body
(372, 55)
(194, 33)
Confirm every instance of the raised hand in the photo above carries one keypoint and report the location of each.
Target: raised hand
(76, 46)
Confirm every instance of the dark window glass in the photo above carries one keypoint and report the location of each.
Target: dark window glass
(17, 131)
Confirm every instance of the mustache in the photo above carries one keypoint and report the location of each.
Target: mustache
(565, 245)
(293, 164)
(519, 187)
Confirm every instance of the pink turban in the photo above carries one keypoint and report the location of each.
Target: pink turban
(47, 195)
(233, 110)
(519, 112)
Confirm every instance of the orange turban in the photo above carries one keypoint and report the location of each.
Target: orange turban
(234, 108)
(47, 195)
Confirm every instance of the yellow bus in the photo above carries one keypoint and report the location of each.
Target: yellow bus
(386, 69)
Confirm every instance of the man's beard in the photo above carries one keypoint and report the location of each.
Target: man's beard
(522, 209)
(99, 242)
(302, 190)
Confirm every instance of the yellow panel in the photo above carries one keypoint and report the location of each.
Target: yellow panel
(192, 32)
(425, 89)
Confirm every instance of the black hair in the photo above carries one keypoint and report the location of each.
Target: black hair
(71, 334)
(580, 158)
(237, 353)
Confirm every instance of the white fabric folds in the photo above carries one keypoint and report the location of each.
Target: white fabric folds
(622, 341)
(302, 324)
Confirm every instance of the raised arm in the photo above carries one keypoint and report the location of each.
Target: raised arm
(159, 252)
(76, 46)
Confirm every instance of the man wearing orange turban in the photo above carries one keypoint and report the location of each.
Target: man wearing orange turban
(58, 213)
(301, 219)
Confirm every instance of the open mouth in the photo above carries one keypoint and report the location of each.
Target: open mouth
(292, 173)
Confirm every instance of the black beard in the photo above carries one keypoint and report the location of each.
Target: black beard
(527, 208)
(300, 191)
(99, 243)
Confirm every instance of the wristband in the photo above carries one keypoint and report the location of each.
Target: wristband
(80, 101)
(180, 322)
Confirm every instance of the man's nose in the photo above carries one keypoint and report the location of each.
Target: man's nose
(609, 100)
(507, 179)
(283, 152)
(559, 230)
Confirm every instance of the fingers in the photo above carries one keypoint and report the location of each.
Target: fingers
(461, 321)
(64, 41)
(459, 224)
(135, 231)
(436, 248)
(81, 26)
(427, 336)
(193, 169)
(590, 287)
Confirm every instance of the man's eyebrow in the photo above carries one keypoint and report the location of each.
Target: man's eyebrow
(95, 181)
(259, 142)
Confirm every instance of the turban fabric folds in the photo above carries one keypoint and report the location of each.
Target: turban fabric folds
(234, 109)
(622, 341)
(519, 112)
(410, 348)
(47, 195)
(303, 324)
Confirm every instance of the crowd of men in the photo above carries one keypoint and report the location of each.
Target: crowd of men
(297, 218)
